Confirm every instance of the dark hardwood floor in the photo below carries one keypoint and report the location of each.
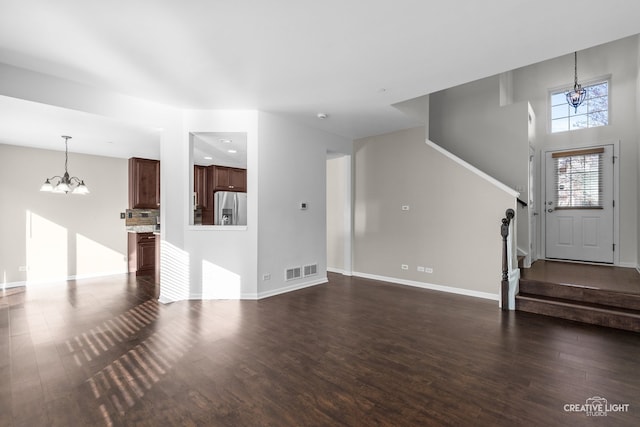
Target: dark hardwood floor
(606, 277)
(352, 352)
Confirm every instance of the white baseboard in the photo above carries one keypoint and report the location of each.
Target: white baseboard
(9, 285)
(291, 288)
(627, 265)
(449, 289)
(339, 271)
(52, 281)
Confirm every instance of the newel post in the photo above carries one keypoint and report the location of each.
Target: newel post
(504, 232)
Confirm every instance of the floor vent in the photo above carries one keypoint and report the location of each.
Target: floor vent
(293, 273)
(310, 270)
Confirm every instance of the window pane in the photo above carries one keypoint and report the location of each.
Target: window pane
(560, 111)
(600, 89)
(578, 181)
(578, 122)
(600, 118)
(559, 125)
(558, 98)
(598, 104)
(582, 109)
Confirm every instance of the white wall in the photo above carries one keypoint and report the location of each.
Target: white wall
(618, 59)
(222, 260)
(292, 162)
(452, 225)
(57, 236)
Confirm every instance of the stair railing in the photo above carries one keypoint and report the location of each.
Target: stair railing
(504, 232)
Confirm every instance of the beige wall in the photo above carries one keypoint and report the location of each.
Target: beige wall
(336, 207)
(453, 221)
(58, 236)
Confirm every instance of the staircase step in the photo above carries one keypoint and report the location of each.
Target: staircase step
(580, 311)
(580, 293)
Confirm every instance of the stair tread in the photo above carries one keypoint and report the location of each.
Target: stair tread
(580, 293)
(579, 304)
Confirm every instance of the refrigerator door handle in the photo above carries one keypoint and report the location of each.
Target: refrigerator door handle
(235, 209)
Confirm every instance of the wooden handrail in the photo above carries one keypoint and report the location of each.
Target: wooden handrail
(504, 232)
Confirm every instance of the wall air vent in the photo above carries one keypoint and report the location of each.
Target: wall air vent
(310, 270)
(293, 273)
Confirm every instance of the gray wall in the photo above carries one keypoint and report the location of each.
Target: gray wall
(452, 224)
(56, 235)
(469, 122)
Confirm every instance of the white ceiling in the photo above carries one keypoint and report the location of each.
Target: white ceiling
(350, 59)
(213, 148)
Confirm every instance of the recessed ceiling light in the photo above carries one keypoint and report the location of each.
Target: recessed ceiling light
(226, 141)
(208, 158)
(232, 151)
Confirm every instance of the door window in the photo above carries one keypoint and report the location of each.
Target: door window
(578, 179)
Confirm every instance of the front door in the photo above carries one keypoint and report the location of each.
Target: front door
(579, 204)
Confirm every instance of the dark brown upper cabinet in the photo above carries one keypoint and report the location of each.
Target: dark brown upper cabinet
(144, 183)
(200, 186)
(228, 179)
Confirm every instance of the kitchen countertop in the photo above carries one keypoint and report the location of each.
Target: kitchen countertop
(141, 228)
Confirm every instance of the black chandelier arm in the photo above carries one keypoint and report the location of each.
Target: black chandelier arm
(54, 177)
(78, 180)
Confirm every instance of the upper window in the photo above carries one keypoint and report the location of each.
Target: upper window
(593, 112)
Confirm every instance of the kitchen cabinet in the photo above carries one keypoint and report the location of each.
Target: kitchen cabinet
(200, 186)
(227, 179)
(142, 253)
(144, 183)
(216, 178)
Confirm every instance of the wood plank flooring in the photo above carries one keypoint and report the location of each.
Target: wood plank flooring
(605, 277)
(353, 352)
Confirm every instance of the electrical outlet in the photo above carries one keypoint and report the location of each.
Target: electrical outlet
(428, 270)
(404, 266)
(266, 276)
(421, 269)
(122, 215)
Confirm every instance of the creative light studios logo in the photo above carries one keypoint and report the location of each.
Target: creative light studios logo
(596, 406)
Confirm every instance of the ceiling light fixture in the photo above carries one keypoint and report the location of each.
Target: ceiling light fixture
(322, 116)
(577, 95)
(232, 151)
(226, 141)
(65, 183)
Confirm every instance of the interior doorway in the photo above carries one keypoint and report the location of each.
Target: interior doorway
(579, 204)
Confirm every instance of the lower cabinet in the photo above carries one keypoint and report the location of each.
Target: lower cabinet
(142, 253)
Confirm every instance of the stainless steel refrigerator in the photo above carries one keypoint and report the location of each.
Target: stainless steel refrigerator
(230, 208)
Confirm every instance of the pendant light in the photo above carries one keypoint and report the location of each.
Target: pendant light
(577, 95)
(64, 183)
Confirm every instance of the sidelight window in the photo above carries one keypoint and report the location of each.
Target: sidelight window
(578, 178)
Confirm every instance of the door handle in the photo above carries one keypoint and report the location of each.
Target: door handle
(549, 210)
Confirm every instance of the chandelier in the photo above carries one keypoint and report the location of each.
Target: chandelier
(577, 95)
(64, 183)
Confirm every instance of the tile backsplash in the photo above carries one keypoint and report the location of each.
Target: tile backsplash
(134, 217)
